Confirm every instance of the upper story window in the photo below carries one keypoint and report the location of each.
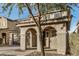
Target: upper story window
(44, 17)
(4, 23)
(57, 14)
(48, 16)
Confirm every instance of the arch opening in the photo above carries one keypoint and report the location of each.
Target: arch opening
(31, 38)
(49, 34)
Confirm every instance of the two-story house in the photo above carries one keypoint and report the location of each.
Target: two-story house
(8, 31)
(55, 26)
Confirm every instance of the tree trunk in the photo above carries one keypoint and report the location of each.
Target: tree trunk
(38, 24)
(41, 41)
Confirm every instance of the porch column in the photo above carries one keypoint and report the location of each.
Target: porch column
(61, 43)
(47, 42)
(11, 39)
(30, 39)
(38, 41)
(22, 39)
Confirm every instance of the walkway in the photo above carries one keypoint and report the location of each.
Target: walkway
(14, 51)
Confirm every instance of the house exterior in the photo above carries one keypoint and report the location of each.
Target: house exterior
(8, 31)
(55, 26)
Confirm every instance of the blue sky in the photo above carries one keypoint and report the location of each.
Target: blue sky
(14, 15)
(75, 19)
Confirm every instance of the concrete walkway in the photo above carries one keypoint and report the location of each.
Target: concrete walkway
(9, 48)
(14, 51)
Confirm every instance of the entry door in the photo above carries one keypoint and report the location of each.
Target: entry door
(4, 37)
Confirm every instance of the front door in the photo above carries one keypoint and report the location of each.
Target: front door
(4, 38)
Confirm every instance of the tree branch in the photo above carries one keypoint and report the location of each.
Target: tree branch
(31, 13)
(39, 14)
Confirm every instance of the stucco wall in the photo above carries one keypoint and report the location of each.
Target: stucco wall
(58, 42)
(8, 26)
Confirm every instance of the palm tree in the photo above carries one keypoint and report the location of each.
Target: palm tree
(41, 9)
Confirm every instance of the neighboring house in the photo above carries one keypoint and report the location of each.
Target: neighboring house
(55, 29)
(8, 30)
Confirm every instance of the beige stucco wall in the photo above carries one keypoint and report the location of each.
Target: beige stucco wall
(58, 42)
(60, 24)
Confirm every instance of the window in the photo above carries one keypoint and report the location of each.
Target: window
(3, 35)
(48, 16)
(57, 15)
(4, 23)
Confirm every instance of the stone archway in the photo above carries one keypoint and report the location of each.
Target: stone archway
(49, 36)
(31, 38)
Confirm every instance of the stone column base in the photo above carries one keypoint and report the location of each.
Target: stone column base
(61, 52)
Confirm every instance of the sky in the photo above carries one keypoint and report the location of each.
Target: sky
(14, 15)
(75, 18)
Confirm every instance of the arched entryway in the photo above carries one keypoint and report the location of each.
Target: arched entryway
(49, 36)
(31, 38)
